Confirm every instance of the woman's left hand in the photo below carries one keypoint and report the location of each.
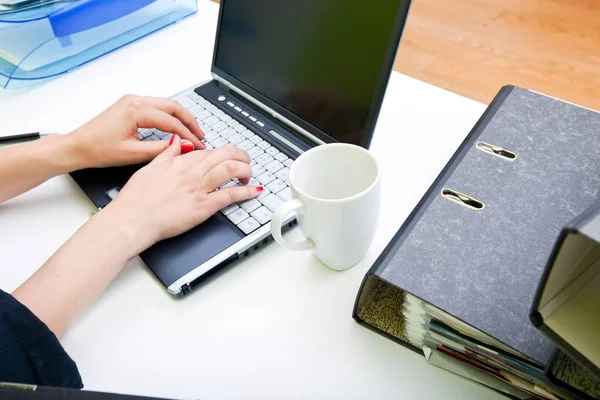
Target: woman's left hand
(111, 139)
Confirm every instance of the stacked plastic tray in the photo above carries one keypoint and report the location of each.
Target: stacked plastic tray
(47, 40)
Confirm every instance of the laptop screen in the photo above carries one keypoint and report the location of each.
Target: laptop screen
(322, 60)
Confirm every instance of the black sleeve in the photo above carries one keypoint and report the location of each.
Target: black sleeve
(29, 352)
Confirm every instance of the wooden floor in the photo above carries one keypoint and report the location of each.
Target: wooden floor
(474, 47)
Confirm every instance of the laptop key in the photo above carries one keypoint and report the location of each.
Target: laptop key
(144, 133)
(212, 108)
(255, 152)
(225, 117)
(245, 145)
(274, 166)
(152, 137)
(264, 145)
(236, 139)
(240, 128)
(283, 174)
(264, 194)
(265, 178)
(238, 216)
(196, 110)
(194, 96)
(285, 194)
(281, 157)
(227, 133)
(228, 184)
(219, 113)
(272, 151)
(288, 163)
(185, 102)
(209, 146)
(212, 121)
(253, 182)
(276, 186)
(219, 142)
(219, 126)
(258, 169)
(249, 225)
(248, 134)
(262, 215)
(264, 159)
(233, 123)
(160, 133)
(204, 114)
(272, 202)
(229, 209)
(204, 103)
(250, 205)
(255, 139)
(210, 136)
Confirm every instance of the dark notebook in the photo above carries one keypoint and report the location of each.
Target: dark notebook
(459, 277)
(567, 305)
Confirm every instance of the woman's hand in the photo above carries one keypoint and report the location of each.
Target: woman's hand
(111, 139)
(174, 193)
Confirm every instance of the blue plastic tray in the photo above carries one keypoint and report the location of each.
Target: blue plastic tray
(47, 41)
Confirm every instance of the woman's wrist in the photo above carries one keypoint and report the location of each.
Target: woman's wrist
(130, 236)
(67, 154)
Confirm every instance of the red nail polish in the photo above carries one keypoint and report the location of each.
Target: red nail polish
(187, 147)
(172, 140)
(260, 188)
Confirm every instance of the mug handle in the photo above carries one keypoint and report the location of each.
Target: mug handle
(277, 221)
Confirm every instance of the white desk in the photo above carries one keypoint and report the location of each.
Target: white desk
(277, 325)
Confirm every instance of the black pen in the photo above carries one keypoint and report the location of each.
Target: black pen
(23, 137)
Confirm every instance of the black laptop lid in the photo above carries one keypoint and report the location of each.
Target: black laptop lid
(323, 64)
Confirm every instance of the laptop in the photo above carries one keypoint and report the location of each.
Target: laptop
(286, 76)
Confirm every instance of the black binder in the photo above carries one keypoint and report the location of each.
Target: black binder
(465, 265)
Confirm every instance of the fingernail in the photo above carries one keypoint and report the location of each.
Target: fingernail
(186, 147)
(172, 140)
(260, 188)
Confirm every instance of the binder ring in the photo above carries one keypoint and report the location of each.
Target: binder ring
(462, 199)
(496, 151)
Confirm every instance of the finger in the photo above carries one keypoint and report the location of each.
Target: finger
(225, 172)
(149, 117)
(207, 160)
(173, 148)
(143, 151)
(178, 111)
(224, 197)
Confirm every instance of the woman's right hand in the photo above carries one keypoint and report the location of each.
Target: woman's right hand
(175, 193)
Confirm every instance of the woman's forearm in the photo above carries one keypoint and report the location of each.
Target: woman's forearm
(79, 271)
(25, 166)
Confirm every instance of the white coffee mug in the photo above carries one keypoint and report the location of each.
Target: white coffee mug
(336, 194)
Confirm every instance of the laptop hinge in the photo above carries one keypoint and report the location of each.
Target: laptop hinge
(222, 82)
(272, 113)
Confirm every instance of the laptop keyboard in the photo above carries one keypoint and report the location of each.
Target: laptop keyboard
(270, 167)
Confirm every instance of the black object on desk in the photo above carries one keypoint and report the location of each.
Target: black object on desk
(15, 391)
(23, 137)
(459, 277)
